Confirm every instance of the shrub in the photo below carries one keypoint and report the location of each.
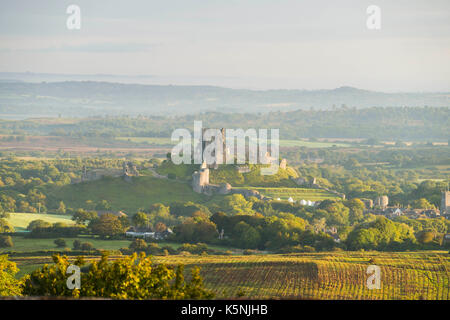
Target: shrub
(77, 244)
(138, 245)
(87, 246)
(60, 243)
(6, 242)
(5, 226)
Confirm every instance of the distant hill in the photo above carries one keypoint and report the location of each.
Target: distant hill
(90, 98)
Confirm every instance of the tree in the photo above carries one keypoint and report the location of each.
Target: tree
(77, 244)
(138, 245)
(60, 243)
(426, 237)
(246, 236)
(6, 242)
(103, 206)
(422, 203)
(140, 219)
(62, 208)
(87, 246)
(356, 207)
(192, 230)
(9, 285)
(160, 227)
(108, 225)
(132, 277)
(38, 224)
(236, 204)
(5, 226)
(82, 216)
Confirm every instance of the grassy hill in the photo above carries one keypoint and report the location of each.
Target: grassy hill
(128, 196)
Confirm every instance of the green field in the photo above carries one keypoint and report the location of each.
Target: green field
(128, 196)
(20, 221)
(296, 193)
(24, 244)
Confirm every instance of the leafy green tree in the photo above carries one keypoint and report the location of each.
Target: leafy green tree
(62, 208)
(82, 216)
(60, 243)
(77, 244)
(140, 219)
(108, 225)
(246, 236)
(87, 246)
(138, 245)
(236, 204)
(38, 224)
(5, 226)
(6, 242)
(422, 203)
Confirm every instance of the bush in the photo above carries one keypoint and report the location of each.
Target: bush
(138, 245)
(77, 244)
(87, 246)
(6, 242)
(60, 243)
(198, 248)
(5, 226)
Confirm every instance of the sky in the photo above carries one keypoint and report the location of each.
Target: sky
(255, 44)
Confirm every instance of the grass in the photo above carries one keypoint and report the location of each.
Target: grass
(23, 244)
(20, 221)
(141, 192)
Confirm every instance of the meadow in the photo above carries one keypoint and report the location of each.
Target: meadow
(20, 221)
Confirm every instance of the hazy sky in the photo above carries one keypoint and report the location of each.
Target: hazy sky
(255, 44)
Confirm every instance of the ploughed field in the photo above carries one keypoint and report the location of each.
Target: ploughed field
(332, 275)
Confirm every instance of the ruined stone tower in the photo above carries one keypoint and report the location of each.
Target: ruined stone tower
(200, 179)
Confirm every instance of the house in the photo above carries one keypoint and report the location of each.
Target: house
(145, 234)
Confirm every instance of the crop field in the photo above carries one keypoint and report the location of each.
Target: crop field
(297, 193)
(336, 275)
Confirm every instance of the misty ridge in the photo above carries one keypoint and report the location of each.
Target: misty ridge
(21, 100)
